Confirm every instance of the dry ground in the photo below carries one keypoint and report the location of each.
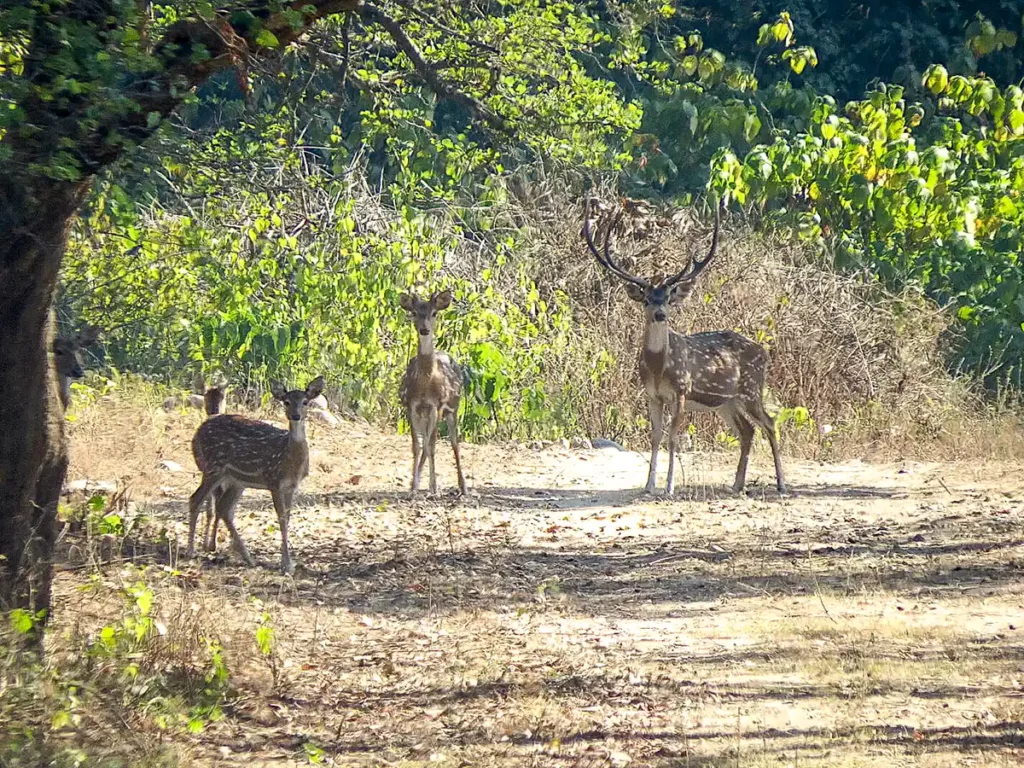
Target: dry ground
(558, 617)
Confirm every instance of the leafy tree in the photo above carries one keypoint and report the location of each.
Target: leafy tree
(926, 193)
(84, 82)
(858, 42)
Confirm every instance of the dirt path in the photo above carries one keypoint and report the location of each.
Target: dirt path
(558, 617)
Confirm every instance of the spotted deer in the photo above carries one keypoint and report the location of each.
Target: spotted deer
(67, 354)
(718, 371)
(235, 453)
(430, 389)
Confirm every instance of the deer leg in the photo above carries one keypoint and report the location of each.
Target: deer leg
(678, 415)
(453, 435)
(283, 504)
(210, 536)
(745, 431)
(416, 447)
(213, 528)
(225, 510)
(657, 414)
(195, 501)
(767, 423)
(429, 443)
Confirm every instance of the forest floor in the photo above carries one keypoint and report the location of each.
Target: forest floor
(559, 617)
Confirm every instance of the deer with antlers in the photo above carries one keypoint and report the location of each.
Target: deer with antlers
(718, 371)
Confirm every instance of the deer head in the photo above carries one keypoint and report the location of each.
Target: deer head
(67, 352)
(213, 400)
(424, 311)
(296, 401)
(656, 297)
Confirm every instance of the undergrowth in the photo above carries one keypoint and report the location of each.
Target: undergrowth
(135, 661)
(549, 339)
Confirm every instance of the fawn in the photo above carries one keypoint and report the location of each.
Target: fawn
(431, 389)
(235, 453)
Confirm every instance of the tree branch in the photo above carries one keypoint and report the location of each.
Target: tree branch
(428, 72)
(191, 51)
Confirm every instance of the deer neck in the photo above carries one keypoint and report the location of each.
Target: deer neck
(297, 432)
(656, 338)
(64, 383)
(425, 354)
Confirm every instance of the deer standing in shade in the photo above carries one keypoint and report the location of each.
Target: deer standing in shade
(67, 354)
(718, 371)
(235, 453)
(431, 389)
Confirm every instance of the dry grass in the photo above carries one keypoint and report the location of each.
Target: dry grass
(558, 618)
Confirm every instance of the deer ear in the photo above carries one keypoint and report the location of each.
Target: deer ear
(680, 291)
(277, 390)
(315, 387)
(441, 300)
(635, 292)
(405, 301)
(87, 336)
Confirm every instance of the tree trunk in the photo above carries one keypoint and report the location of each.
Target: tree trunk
(34, 226)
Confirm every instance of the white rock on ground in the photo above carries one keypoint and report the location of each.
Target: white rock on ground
(605, 443)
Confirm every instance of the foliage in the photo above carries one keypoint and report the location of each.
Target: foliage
(135, 669)
(929, 194)
(260, 288)
(135, 650)
(246, 240)
(858, 43)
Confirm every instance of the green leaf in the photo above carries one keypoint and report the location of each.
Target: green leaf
(1016, 121)
(781, 31)
(936, 78)
(267, 39)
(1006, 38)
(751, 127)
(265, 639)
(21, 621)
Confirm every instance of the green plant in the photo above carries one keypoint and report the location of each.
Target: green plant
(925, 194)
(174, 686)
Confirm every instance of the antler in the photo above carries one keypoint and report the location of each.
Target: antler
(696, 266)
(603, 256)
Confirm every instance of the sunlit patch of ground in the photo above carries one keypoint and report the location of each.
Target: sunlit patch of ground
(558, 617)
